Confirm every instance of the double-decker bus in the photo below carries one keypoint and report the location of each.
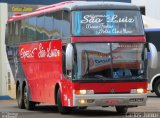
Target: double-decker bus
(77, 54)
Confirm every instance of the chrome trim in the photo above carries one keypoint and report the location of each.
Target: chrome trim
(110, 99)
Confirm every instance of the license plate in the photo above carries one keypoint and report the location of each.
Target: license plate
(113, 102)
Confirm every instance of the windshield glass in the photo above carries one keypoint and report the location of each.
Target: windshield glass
(106, 22)
(109, 60)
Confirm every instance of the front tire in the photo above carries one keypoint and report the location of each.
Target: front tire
(62, 109)
(19, 97)
(121, 109)
(29, 105)
(157, 88)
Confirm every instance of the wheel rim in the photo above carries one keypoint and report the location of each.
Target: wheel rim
(25, 96)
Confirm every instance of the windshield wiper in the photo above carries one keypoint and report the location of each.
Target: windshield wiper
(87, 71)
(94, 77)
(87, 68)
(130, 77)
(139, 77)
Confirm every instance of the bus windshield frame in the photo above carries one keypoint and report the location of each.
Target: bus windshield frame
(107, 23)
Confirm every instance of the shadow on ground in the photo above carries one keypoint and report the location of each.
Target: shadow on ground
(77, 113)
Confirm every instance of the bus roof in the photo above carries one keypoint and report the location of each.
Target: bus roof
(77, 5)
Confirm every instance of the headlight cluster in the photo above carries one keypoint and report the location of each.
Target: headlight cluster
(138, 91)
(83, 92)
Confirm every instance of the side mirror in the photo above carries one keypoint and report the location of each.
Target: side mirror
(153, 56)
(69, 57)
(146, 54)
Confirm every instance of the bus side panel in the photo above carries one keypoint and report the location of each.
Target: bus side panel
(42, 64)
(67, 92)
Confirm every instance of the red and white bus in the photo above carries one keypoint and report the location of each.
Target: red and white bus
(77, 54)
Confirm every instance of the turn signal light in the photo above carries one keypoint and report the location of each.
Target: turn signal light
(83, 92)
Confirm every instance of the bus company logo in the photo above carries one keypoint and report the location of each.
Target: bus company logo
(112, 90)
(49, 52)
(91, 62)
(110, 19)
(42, 52)
(27, 53)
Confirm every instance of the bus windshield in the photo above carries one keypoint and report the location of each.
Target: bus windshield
(106, 22)
(110, 60)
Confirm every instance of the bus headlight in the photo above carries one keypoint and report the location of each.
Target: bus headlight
(138, 91)
(86, 101)
(83, 92)
(82, 101)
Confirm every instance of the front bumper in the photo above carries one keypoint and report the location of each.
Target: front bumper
(110, 100)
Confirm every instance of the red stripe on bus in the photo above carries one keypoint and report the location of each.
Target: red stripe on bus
(108, 39)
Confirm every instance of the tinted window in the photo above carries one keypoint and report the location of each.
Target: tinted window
(12, 36)
(16, 32)
(32, 29)
(48, 27)
(57, 17)
(109, 60)
(10, 32)
(24, 30)
(66, 25)
(40, 27)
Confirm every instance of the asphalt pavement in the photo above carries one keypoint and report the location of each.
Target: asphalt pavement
(9, 109)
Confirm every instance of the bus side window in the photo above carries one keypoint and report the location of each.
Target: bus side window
(24, 30)
(48, 26)
(8, 33)
(17, 32)
(12, 33)
(40, 28)
(32, 29)
(15, 37)
(66, 26)
(57, 17)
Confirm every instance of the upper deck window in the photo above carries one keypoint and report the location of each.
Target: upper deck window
(106, 22)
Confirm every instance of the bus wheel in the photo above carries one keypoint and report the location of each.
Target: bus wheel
(28, 104)
(121, 109)
(62, 109)
(157, 87)
(19, 97)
